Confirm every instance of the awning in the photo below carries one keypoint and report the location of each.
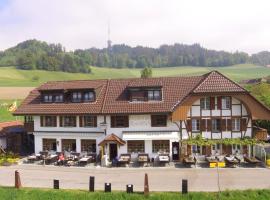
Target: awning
(151, 135)
(112, 138)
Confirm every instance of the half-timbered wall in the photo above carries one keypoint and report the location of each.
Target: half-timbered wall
(237, 110)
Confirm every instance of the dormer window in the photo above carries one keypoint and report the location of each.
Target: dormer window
(48, 98)
(76, 96)
(89, 96)
(154, 95)
(59, 98)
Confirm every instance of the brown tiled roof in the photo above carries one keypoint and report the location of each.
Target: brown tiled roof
(217, 82)
(65, 85)
(112, 95)
(112, 138)
(5, 126)
(145, 82)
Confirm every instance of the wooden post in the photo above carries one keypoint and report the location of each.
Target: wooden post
(108, 187)
(55, 184)
(184, 186)
(18, 183)
(92, 184)
(146, 185)
(129, 188)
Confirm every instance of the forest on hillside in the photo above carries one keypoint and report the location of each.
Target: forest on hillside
(34, 54)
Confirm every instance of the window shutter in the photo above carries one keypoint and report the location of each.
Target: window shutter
(229, 124)
(81, 118)
(243, 124)
(188, 125)
(41, 121)
(219, 103)
(202, 124)
(223, 124)
(212, 103)
(209, 125)
(54, 121)
(61, 121)
(126, 121)
(95, 121)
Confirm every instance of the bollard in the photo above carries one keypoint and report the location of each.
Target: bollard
(146, 185)
(55, 184)
(18, 183)
(108, 187)
(129, 188)
(92, 184)
(184, 186)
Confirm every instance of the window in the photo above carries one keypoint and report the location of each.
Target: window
(68, 121)
(48, 121)
(196, 149)
(119, 121)
(76, 96)
(47, 98)
(69, 145)
(226, 103)
(89, 96)
(49, 144)
(28, 119)
(236, 124)
(137, 95)
(195, 125)
(158, 120)
(205, 103)
(216, 125)
(161, 146)
(88, 146)
(135, 146)
(58, 98)
(88, 121)
(154, 95)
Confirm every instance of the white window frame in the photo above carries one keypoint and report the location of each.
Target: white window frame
(226, 103)
(195, 125)
(236, 124)
(205, 103)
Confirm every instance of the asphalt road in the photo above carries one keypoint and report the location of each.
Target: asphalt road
(160, 179)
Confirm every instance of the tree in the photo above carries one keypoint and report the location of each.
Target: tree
(146, 72)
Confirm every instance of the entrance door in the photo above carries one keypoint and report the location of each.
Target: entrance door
(175, 150)
(113, 151)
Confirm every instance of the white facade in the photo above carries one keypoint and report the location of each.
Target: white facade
(140, 129)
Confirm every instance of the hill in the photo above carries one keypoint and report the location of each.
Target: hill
(10, 76)
(34, 54)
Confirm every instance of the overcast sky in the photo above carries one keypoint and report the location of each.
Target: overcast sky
(229, 25)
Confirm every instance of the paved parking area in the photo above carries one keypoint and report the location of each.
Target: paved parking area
(160, 179)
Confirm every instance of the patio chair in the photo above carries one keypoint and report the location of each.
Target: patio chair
(252, 161)
(189, 161)
(231, 161)
(124, 159)
(52, 158)
(143, 158)
(163, 159)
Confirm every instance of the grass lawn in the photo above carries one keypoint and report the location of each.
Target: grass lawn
(45, 194)
(5, 115)
(10, 76)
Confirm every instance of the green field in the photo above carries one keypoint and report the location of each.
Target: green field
(9, 76)
(42, 194)
(5, 115)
